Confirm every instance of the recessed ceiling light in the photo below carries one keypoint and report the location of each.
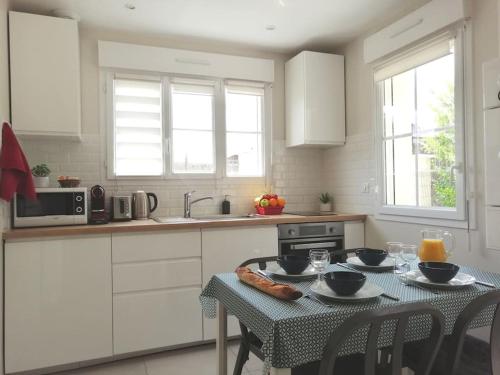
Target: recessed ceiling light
(130, 6)
(282, 3)
(270, 27)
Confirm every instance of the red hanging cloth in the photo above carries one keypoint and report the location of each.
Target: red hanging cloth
(16, 173)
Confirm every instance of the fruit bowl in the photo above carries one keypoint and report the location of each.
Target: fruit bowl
(269, 204)
(68, 182)
(269, 210)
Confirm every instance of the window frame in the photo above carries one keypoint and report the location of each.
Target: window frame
(219, 131)
(439, 215)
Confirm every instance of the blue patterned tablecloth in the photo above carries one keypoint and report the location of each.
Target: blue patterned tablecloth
(296, 332)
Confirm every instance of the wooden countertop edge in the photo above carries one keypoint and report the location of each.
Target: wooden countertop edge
(152, 226)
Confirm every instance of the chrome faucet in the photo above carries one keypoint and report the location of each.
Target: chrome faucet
(188, 202)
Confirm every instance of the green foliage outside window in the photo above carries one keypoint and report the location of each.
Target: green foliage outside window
(442, 148)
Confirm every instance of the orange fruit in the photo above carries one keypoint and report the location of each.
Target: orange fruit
(281, 202)
(273, 202)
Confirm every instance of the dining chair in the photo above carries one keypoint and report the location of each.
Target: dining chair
(249, 342)
(464, 354)
(367, 361)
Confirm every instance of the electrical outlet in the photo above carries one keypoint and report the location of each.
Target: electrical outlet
(365, 188)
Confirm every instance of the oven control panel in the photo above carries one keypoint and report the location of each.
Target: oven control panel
(304, 230)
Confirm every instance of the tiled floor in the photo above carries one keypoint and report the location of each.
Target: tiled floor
(192, 361)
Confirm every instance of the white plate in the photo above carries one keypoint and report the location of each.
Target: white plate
(459, 281)
(387, 264)
(367, 292)
(279, 272)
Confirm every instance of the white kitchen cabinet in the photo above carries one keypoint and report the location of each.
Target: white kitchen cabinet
(224, 249)
(315, 100)
(156, 319)
(354, 234)
(57, 301)
(44, 75)
(156, 289)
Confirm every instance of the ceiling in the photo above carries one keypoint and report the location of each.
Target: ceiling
(299, 24)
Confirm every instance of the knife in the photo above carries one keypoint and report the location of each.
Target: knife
(264, 275)
(390, 296)
(343, 265)
(485, 284)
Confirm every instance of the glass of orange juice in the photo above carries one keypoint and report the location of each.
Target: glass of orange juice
(436, 246)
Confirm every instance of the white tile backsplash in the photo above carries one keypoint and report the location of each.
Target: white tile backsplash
(297, 174)
(347, 168)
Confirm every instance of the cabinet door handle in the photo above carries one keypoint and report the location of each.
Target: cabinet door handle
(317, 245)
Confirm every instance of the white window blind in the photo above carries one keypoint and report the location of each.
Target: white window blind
(419, 55)
(192, 108)
(138, 138)
(244, 129)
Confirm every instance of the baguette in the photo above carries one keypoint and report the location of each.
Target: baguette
(281, 291)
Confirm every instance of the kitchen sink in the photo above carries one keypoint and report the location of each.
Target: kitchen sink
(225, 217)
(173, 220)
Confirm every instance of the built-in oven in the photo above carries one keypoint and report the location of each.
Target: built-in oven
(299, 239)
(53, 206)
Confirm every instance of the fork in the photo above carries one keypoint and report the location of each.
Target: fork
(418, 286)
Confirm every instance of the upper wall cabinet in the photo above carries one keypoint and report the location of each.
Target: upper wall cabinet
(315, 100)
(45, 75)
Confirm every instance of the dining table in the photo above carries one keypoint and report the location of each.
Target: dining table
(294, 333)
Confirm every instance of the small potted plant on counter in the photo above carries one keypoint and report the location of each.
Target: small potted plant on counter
(41, 174)
(325, 202)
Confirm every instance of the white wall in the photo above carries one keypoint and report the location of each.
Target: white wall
(295, 173)
(351, 166)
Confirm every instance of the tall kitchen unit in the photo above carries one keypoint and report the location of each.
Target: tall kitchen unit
(491, 105)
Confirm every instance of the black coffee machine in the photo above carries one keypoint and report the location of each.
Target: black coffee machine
(98, 213)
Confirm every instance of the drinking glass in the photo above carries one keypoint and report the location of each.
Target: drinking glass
(409, 254)
(393, 251)
(319, 259)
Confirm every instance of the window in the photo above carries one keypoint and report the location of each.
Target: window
(167, 126)
(192, 128)
(244, 135)
(421, 110)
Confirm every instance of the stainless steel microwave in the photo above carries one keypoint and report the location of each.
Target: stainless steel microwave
(54, 206)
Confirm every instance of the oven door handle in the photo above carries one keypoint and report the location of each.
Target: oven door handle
(315, 245)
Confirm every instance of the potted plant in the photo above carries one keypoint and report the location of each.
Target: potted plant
(326, 202)
(41, 174)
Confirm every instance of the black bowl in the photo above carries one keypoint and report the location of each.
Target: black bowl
(438, 272)
(293, 264)
(345, 283)
(371, 257)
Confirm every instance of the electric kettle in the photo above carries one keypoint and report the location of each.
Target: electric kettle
(141, 205)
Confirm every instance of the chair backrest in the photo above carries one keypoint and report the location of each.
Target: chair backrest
(462, 324)
(374, 319)
(260, 261)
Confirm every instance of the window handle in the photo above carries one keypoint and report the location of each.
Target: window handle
(457, 168)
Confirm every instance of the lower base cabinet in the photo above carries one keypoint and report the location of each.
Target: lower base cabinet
(156, 290)
(354, 234)
(57, 302)
(156, 319)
